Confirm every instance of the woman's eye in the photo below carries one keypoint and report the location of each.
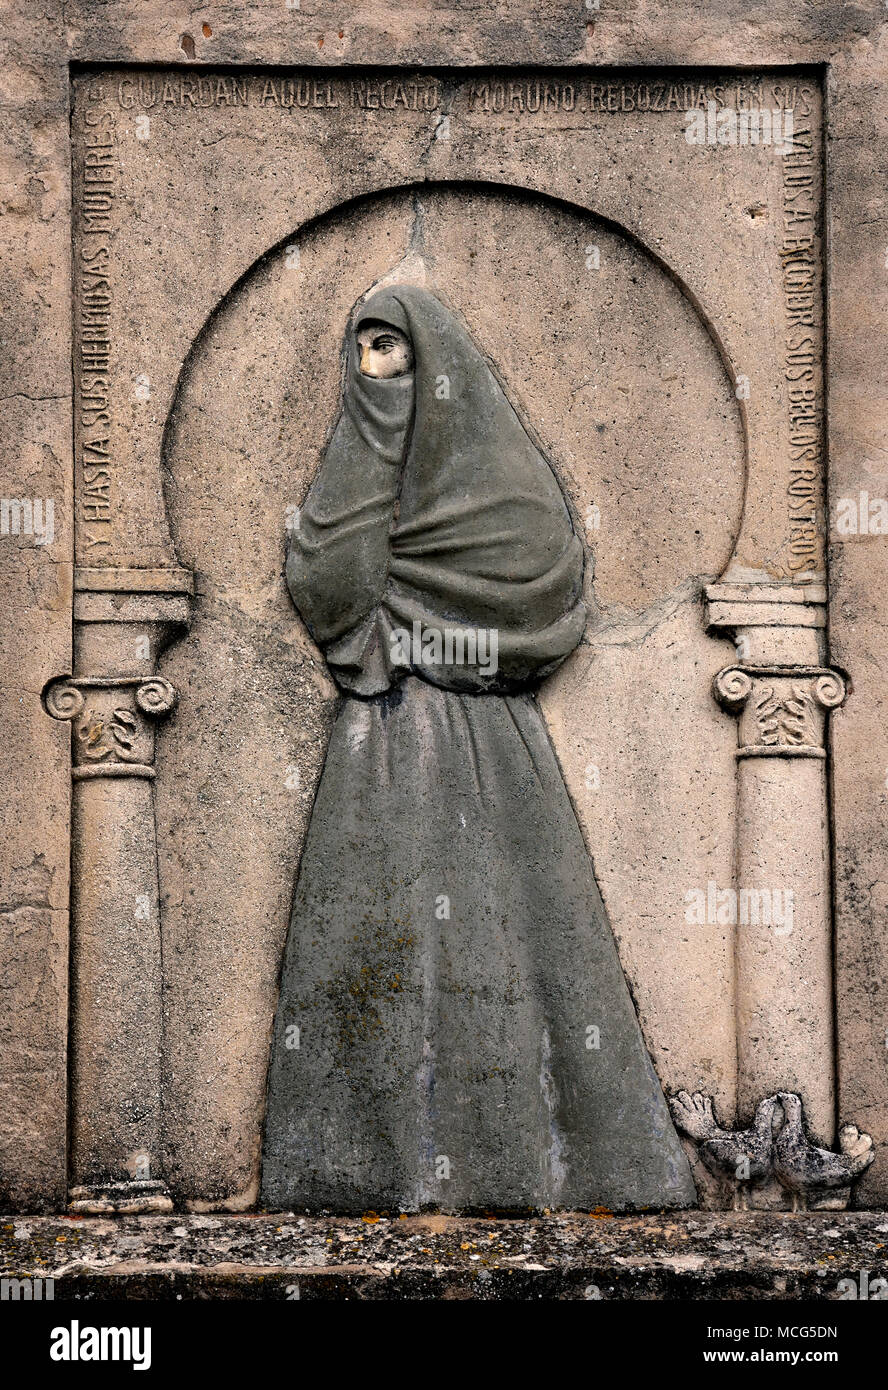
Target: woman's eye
(384, 344)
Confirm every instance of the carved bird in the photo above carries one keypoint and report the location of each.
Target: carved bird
(744, 1157)
(805, 1170)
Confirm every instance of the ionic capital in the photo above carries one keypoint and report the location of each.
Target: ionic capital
(782, 709)
(111, 719)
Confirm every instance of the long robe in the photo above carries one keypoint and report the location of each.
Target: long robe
(454, 1029)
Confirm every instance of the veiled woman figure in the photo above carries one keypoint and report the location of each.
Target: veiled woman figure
(454, 1028)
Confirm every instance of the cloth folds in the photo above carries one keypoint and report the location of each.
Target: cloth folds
(454, 1028)
(482, 539)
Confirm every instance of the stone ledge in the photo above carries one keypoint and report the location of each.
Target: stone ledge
(697, 1256)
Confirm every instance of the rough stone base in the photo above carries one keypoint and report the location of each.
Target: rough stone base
(704, 1255)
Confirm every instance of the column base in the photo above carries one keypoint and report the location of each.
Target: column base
(135, 1198)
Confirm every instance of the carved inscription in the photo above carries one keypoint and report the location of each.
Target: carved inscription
(96, 174)
(298, 93)
(117, 113)
(802, 369)
(531, 96)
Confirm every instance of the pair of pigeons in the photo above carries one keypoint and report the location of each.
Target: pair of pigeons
(749, 1157)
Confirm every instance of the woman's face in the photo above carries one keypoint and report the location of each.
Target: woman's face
(384, 351)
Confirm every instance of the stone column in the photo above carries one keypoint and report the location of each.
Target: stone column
(112, 701)
(781, 691)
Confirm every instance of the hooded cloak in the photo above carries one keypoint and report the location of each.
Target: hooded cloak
(483, 538)
(454, 1028)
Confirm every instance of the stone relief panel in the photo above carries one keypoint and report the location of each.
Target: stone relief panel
(265, 153)
(578, 229)
(583, 357)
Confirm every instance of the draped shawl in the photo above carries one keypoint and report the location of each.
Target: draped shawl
(433, 505)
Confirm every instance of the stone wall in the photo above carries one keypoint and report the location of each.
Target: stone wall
(268, 165)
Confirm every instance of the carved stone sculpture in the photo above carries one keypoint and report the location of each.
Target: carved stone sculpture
(745, 1158)
(784, 979)
(775, 1147)
(807, 1171)
(454, 1028)
(123, 621)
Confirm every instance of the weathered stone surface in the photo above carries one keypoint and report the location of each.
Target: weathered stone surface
(251, 352)
(210, 314)
(694, 1256)
(35, 634)
(857, 306)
